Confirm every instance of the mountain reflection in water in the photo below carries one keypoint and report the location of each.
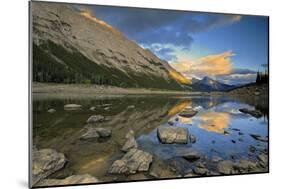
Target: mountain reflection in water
(61, 130)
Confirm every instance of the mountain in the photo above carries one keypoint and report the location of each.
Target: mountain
(208, 84)
(73, 46)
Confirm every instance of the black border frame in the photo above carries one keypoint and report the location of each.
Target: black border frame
(30, 99)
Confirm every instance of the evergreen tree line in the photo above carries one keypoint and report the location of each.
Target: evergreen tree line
(262, 78)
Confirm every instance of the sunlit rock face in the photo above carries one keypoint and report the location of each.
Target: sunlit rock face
(213, 121)
(60, 30)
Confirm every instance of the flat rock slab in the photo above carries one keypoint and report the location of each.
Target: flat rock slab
(96, 118)
(46, 162)
(74, 179)
(72, 107)
(254, 113)
(133, 161)
(188, 113)
(172, 134)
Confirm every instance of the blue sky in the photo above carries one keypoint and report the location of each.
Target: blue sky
(229, 48)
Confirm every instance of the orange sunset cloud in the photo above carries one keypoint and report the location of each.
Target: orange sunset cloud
(215, 64)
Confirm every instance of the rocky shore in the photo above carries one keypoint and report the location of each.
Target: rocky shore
(133, 163)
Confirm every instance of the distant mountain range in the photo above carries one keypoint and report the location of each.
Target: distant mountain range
(208, 84)
(70, 46)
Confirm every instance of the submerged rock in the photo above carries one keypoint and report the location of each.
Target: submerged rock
(96, 118)
(133, 161)
(51, 110)
(74, 179)
(225, 167)
(131, 107)
(92, 133)
(254, 113)
(72, 107)
(191, 155)
(172, 134)
(216, 159)
(192, 138)
(46, 162)
(130, 142)
(259, 138)
(188, 113)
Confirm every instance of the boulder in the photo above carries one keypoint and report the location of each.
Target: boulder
(172, 134)
(188, 113)
(74, 179)
(46, 162)
(93, 108)
(225, 167)
(254, 113)
(72, 107)
(51, 110)
(103, 133)
(96, 118)
(130, 142)
(132, 162)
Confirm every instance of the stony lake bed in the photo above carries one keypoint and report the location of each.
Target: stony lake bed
(141, 137)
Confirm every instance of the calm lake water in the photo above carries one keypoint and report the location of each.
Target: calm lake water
(216, 128)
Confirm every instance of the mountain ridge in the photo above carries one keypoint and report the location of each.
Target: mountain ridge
(87, 50)
(208, 84)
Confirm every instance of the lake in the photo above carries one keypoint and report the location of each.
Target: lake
(220, 129)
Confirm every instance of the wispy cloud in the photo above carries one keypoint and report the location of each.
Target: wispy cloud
(148, 26)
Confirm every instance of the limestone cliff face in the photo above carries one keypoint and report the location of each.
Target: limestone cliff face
(81, 48)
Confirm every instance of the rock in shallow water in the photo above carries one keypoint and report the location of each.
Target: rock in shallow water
(191, 155)
(92, 133)
(244, 165)
(130, 142)
(74, 179)
(172, 134)
(225, 167)
(51, 110)
(192, 138)
(133, 161)
(254, 113)
(188, 113)
(95, 118)
(72, 107)
(259, 138)
(46, 162)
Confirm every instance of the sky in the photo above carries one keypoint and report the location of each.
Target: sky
(228, 48)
